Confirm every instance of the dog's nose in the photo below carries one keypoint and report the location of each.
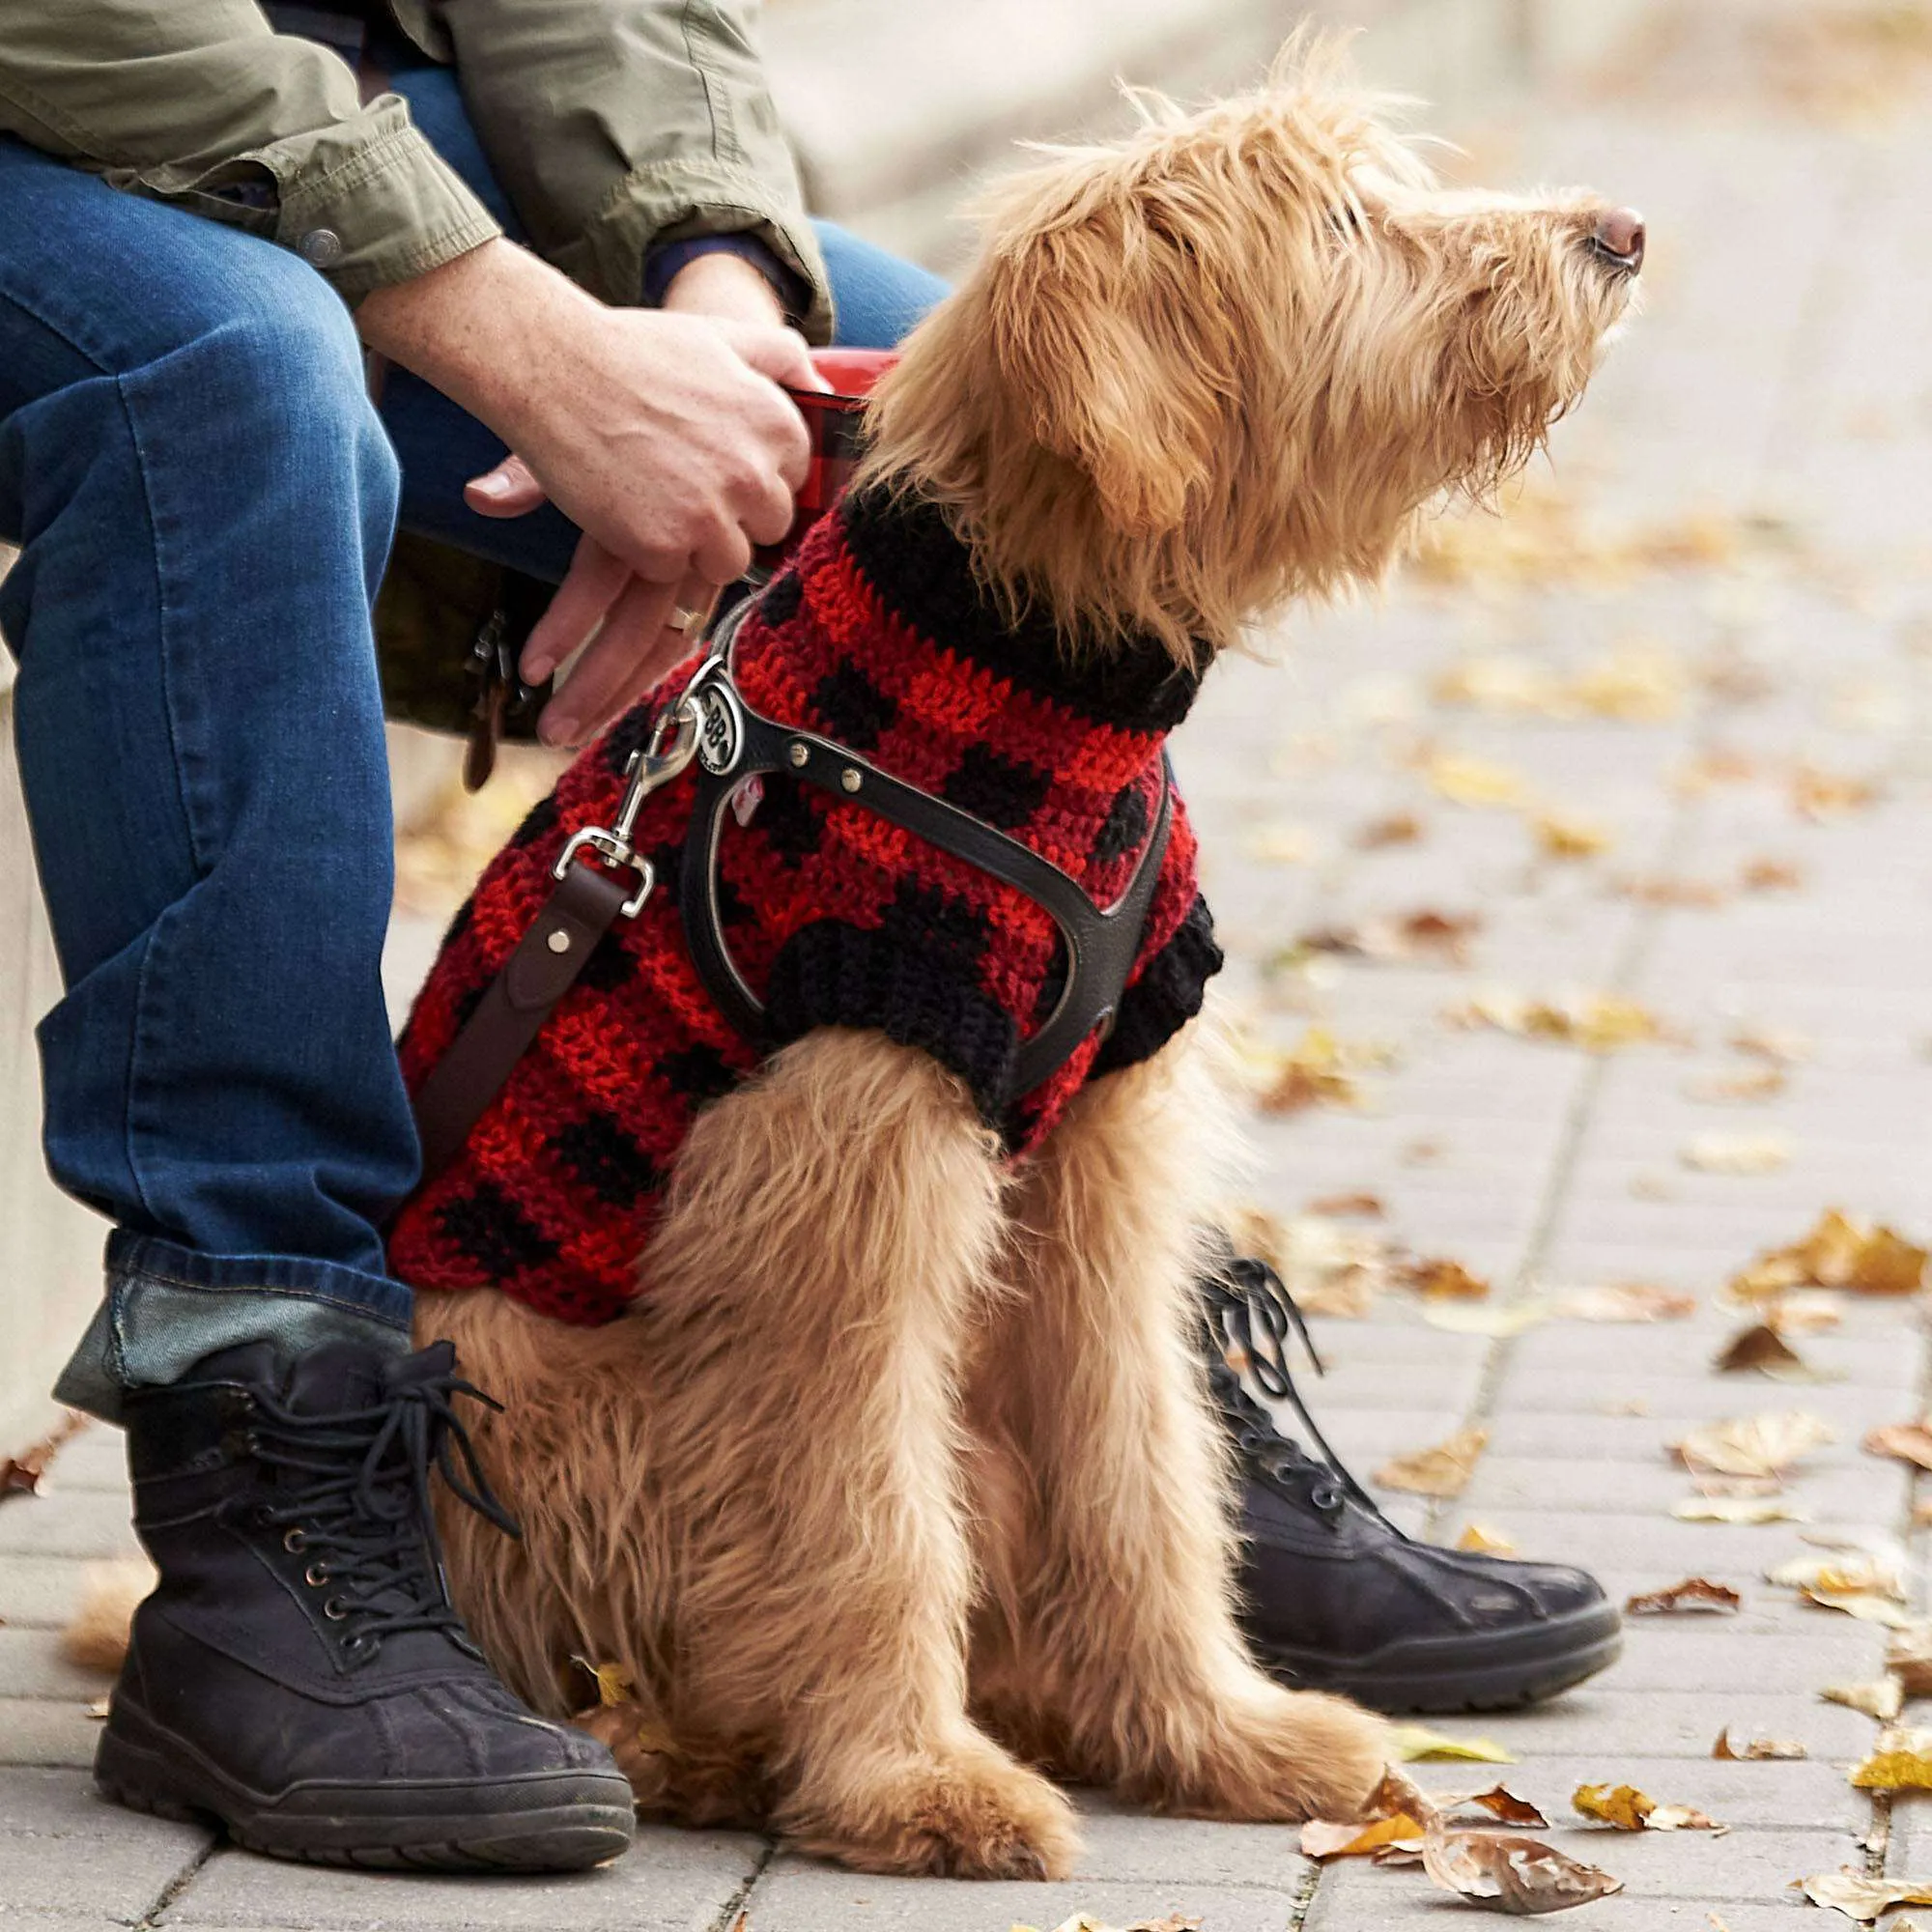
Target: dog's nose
(1621, 233)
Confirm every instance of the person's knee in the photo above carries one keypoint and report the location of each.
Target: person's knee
(283, 364)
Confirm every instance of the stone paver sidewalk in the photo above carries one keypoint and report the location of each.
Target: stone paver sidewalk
(1731, 549)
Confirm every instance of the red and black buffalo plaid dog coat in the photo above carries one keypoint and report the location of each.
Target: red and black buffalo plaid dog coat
(877, 637)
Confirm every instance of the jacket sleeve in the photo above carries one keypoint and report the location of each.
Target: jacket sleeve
(617, 125)
(199, 102)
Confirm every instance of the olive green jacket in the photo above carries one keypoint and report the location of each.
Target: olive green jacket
(614, 124)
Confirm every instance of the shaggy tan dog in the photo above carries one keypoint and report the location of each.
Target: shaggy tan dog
(894, 1484)
(892, 1493)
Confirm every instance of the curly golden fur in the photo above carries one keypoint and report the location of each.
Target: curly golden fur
(896, 1490)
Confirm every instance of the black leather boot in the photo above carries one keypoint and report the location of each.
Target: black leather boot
(298, 1672)
(1335, 1597)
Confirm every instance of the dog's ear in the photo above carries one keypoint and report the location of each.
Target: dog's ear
(1096, 347)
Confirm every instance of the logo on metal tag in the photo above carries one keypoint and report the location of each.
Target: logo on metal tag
(717, 732)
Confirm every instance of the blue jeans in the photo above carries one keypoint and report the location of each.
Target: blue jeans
(203, 499)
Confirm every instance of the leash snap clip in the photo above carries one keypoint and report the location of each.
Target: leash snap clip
(649, 770)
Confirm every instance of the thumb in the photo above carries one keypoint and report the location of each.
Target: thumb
(777, 353)
(507, 490)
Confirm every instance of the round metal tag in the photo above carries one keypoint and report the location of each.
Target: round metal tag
(716, 730)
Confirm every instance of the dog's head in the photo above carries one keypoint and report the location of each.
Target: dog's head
(1232, 359)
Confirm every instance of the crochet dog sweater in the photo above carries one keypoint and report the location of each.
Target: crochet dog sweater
(878, 637)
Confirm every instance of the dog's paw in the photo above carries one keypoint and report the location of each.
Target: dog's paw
(975, 1813)
(1277, 1757)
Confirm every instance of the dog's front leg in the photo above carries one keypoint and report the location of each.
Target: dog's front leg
(830, 1235)
(1109, 1642)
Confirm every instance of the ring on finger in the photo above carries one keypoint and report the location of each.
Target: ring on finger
(683, 616)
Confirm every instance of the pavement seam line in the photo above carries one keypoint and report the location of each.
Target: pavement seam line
(728, 1913)
(165, 1898)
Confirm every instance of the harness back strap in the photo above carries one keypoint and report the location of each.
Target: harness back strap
(735, 743)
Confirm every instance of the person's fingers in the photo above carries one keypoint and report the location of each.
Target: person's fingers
(507, 490)
(724, 553)
(592, 585)
(777, 353)
(600, 677)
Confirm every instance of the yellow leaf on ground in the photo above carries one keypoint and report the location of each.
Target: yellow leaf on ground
(1559, 836)
(1418, 1744)
(1754, 1085)
(1625, 1808)
(1782, 1046)
(1907, 1441)
(1398, 828)
(1820, 794)
(1880, 1698)
(1322, 1838)
(1461, 1318)
(1279, 844)
(1597, 1022)
(1442, 1471)
(1516, 1875)
(1764, 1445)
(1481, 1540)
(1695, 1595)
(1468, 781)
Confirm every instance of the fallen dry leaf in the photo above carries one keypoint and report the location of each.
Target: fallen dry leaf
(1882, 1698)
(1324, 1839)
(1625, 1808)
(1083, 1921)
(1511, 1874)
(1398, 828)
(1418, 1744)
(1502, 1805)
(1369, 1206)
(1327, 1268)
(1736, 1510)
(1442, 1471)
(1782, 1046)
(1627, 1301)
(1757, 1749)
(1597, 1022)
(1749, 1088)
(1870, 1607)
(1666, 889)
(1861, 1897)
(1737, 1154)
(1819, 794)
(1317, 1072)
(1435, 938)
(1695, 1596)
(1482, 1541)
(1279, 844)
(1445, 1280)
(1844, 1567)
(1760, 1350)
(21, 1475)
(1467, 781)
(1839, 1252)
(1770, 875)
(1754, 1445)
(1906, 1441)
(1560, 836)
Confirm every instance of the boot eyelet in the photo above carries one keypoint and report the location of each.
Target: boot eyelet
(335, 1609)
(295, 1540)
(1325, 1498)
(316, 1575)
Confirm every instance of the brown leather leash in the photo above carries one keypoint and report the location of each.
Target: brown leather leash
(591, 895)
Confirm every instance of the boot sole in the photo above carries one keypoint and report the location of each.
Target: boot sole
(548, 1822)
(1502, 1671)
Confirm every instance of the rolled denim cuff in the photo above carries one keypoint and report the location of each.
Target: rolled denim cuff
(168, 1307)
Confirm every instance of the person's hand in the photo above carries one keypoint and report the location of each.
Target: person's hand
(667, 438)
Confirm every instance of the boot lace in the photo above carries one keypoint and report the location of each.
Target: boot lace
(1251, 1317)
(354, 1491)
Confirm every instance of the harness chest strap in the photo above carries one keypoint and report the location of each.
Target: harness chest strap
(732, 742)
